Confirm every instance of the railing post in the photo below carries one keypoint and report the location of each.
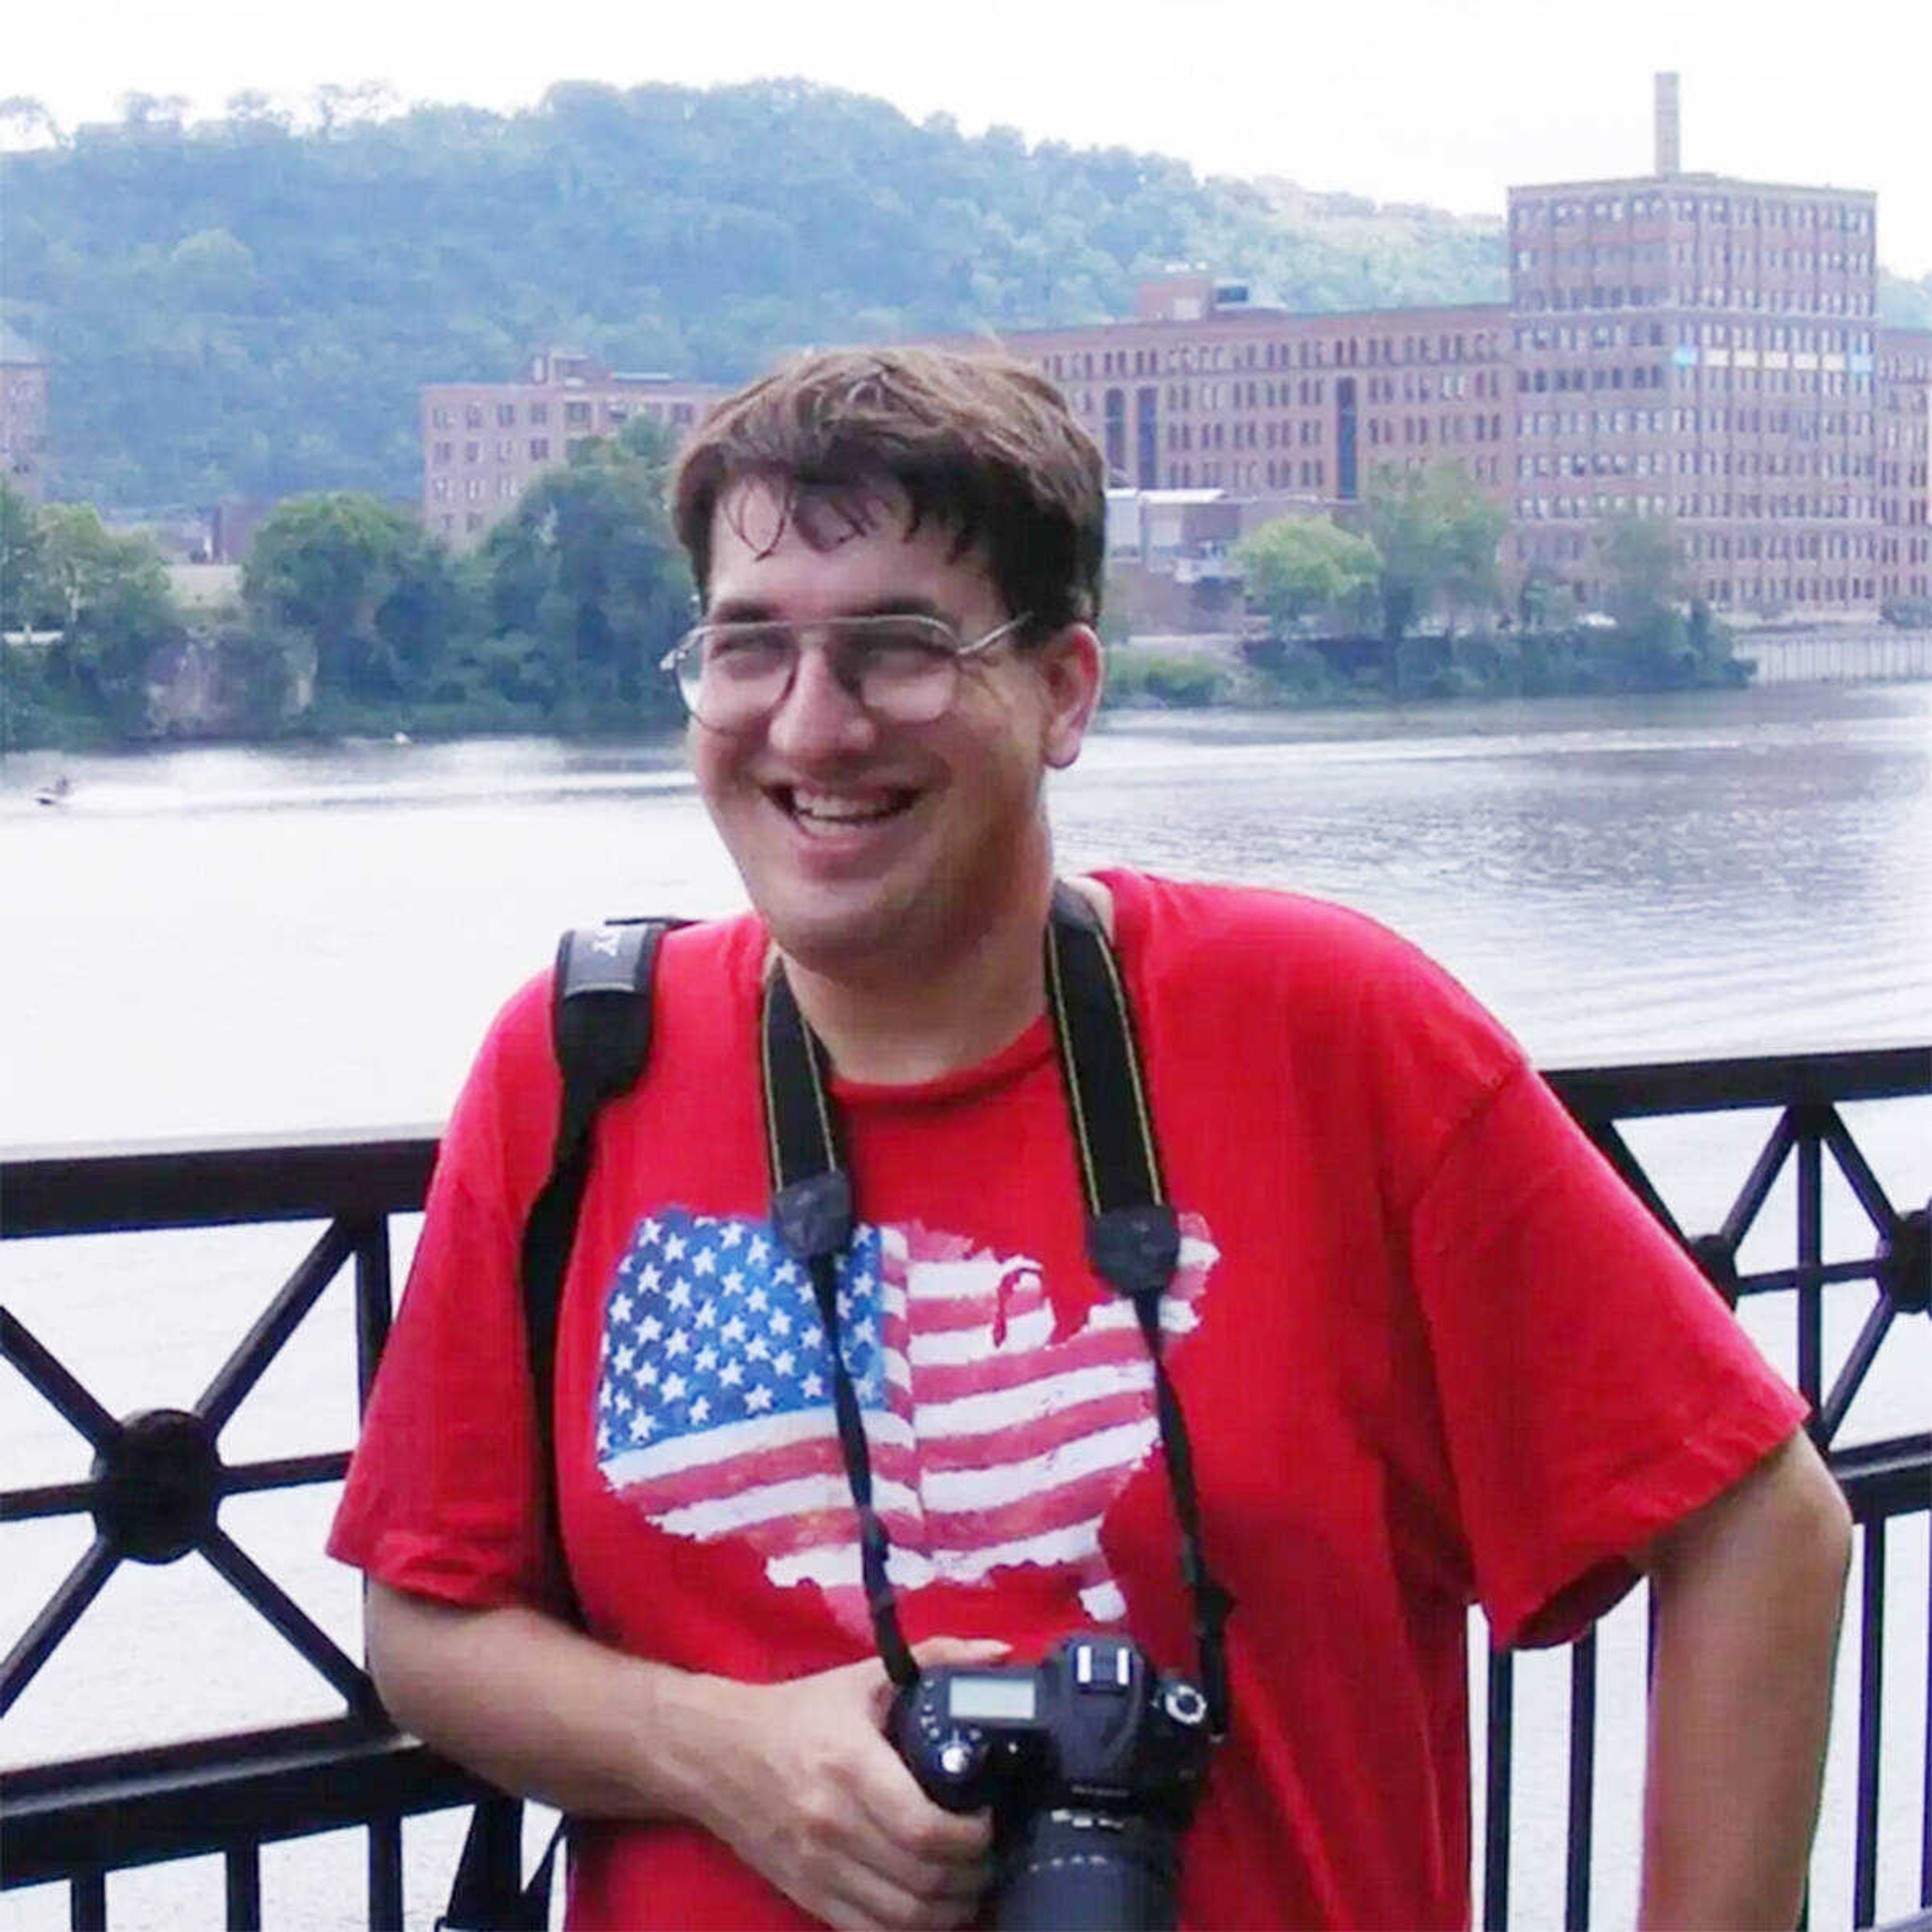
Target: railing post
(1498, 1734)
(1582, 1781)
(374, 1301)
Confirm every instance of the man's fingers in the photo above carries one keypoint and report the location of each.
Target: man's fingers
(960, 1650)
(941, 1650)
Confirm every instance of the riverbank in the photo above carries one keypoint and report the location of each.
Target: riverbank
(1173, 672)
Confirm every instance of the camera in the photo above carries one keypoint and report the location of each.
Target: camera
(1091, 1761)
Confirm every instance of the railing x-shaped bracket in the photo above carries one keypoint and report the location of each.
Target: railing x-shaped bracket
(158, 1481)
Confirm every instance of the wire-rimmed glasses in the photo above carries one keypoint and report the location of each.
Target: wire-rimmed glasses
(903, 667)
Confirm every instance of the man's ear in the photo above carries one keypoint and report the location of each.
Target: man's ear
(1072, 668)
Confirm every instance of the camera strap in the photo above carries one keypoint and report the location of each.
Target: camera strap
(1133, 1237)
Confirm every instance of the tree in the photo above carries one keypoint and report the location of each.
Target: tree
(1297, 568)
(108, 596)
(587, 569)
(359, 588)
(1640, 557)
(20, 561)
(1437, 534)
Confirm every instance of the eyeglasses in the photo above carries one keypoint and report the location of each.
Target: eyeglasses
(903, 669)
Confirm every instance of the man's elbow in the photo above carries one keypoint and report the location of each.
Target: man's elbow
(1785, 1525)
(405, 1636)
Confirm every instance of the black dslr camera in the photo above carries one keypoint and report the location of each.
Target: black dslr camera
(1091, 1762)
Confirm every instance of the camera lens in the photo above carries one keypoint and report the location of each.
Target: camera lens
(1083, 1871)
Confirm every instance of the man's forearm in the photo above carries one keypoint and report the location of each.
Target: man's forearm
(541, 1709)
(1749, 1592)
(793, 1779)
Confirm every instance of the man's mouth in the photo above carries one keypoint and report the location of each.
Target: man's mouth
(841, 811)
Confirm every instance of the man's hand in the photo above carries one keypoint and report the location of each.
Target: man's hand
(810, 1794)
(797, 1778)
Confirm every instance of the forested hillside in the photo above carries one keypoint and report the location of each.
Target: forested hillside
(241, 307)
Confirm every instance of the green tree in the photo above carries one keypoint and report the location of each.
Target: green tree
(1437, 534)
(358, 588)
(1640, 559)
(20, 561)
(109, 597)
(1299, 568)
(586, 573)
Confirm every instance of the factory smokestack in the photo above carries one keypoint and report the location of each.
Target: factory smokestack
(1669, 159)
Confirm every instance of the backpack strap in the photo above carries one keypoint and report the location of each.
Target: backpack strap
(601, 1032)
(601, 1029)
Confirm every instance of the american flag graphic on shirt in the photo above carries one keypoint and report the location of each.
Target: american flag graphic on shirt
(998, 1434)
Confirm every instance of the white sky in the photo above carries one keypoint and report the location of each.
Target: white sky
(1400, 99)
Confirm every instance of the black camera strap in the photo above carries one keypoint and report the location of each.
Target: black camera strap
(1133, 1237)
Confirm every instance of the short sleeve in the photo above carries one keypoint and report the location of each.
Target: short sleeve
(1594, 1389)
(443, 1497)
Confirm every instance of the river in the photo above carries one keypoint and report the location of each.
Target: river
(217, 941)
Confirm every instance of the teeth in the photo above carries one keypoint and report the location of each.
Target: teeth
(834, 806)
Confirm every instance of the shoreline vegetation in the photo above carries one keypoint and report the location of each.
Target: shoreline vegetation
(349, 619)
(1260, 674)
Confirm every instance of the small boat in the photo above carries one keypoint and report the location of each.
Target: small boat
(55, 791)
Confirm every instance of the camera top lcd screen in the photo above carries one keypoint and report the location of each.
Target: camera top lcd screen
(992, 1699)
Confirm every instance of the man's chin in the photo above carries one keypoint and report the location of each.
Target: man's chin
(861, 945)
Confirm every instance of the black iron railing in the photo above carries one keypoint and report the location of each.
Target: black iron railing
(156, 1482)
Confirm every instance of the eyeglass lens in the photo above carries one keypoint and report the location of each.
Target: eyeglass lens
(734, 675)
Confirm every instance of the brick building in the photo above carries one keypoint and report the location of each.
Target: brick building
(1904, 398)
(23, 415)
(1705, 349)
(1686, 346)
(482, 443)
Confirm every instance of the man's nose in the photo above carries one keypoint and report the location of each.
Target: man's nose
(819, 713)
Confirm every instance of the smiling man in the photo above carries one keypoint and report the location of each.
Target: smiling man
(1430, 1352)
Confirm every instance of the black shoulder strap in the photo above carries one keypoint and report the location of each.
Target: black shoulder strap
(601, 1031)
(601, 1027)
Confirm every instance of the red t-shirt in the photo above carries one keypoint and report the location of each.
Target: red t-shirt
(1430, 1351)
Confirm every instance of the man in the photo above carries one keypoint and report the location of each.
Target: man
(1430, 1351)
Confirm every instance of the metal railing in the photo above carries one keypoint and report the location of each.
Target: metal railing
(157, 1482)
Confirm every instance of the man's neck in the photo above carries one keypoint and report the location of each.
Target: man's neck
(901, 1027)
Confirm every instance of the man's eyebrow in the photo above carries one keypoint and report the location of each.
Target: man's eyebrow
(910, 605)
(759, 611)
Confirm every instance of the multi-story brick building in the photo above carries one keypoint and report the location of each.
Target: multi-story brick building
(1205, 388)
(23, 415)
(1904, 397)
(1685, 346)
(483, 442)
(1693, 347)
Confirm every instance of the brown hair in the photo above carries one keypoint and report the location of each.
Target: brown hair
(981, 443)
